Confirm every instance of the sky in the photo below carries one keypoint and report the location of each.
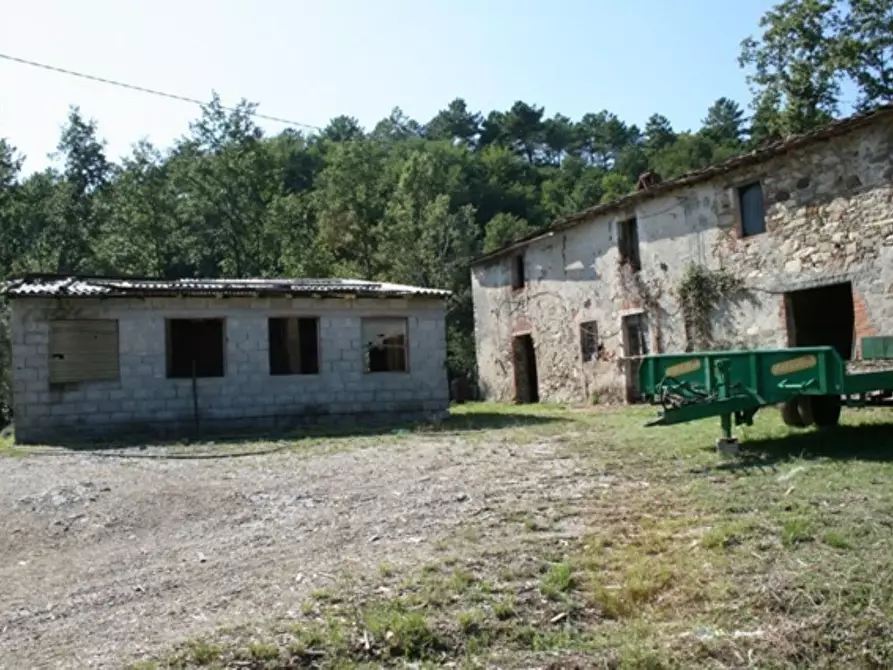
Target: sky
(312, 60)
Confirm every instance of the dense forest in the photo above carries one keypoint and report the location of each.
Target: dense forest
(407, 201)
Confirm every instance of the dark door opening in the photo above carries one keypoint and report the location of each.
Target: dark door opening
(822, 316)
(635, 345)
(526, 383)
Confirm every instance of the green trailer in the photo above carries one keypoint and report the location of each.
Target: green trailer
(811, 384)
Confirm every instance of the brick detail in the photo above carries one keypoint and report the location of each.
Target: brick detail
(862, 323)
(521, 325)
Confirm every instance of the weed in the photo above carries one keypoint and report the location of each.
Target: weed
(558, 580)
(725, 535)
(504, 609)
(262, 651)
(470, 621)
(836, 540)
(203, 653)
(405, 634)
(796, 531)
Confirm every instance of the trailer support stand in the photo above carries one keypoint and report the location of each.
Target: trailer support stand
(727, 444)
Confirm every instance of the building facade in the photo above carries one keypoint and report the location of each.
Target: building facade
(95, 357)
(790, 245)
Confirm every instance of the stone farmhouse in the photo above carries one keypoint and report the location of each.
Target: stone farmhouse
(104, 357)
(789, 245)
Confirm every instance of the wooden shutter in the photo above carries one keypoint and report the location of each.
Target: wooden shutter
(83, 350)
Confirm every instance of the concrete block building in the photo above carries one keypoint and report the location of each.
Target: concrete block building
(789, 245)
(104, 357)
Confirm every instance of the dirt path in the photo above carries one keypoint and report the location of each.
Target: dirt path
(105, 559)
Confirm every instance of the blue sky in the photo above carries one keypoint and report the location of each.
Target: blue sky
(310, 60)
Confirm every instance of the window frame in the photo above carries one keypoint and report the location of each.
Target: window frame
(628, 243)
(298, 318)
(53, 341)
(518, 272)
(740, 190)
(364, 347)
(169, 346)
(589, 334)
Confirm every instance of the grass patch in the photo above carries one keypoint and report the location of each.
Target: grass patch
(836, 539)
(778, 559)
(558, 580)
(796, 531)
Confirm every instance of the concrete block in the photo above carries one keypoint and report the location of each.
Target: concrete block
(25, 374)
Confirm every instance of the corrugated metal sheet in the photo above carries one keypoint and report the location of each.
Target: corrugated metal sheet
(53, 286)
(83, 350)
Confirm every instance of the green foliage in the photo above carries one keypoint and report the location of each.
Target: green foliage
(503, 229)
(807, 51)
(409, 201)
(557, 580)
(701, 291)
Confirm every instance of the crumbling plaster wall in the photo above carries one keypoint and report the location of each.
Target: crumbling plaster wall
(829, 218)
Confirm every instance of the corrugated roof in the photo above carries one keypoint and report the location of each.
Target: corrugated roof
(86, 287)
(765, 153)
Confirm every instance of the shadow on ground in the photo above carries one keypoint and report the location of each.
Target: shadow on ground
(274, 440)
(872, 442)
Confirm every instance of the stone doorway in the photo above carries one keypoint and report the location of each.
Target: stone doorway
(635, 345)
(822, 316)
(526, 382)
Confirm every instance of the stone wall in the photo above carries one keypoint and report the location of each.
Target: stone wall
(829, 216)
(144, 400)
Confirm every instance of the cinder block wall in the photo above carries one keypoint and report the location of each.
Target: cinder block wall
(144, 400)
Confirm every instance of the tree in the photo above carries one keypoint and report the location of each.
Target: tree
(85, 173)
(658, 133)
(229, 172)
(794, 66)
(350, 201)
(11, 232)
(603, 136)
(866, 50)
(724, 122)
(559, 136)
(691, 151)
(396, 127)
(503, 229)
(456, 124)
(343, 129)
(524, 128)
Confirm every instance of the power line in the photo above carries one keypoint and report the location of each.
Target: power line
(150, 91)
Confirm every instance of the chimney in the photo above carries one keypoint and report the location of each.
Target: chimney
(647, 180)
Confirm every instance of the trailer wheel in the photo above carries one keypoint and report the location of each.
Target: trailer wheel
(806, 409)
(826, 410)
(790, 414)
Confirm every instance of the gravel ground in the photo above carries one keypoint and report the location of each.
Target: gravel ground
(107, 558)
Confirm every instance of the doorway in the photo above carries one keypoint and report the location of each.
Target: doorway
(822, 316)
(526, 382)
(635, 345)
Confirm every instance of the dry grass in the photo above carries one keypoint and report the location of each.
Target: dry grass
(675, 559)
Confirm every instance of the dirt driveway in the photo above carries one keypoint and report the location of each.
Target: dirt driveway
(107, 558)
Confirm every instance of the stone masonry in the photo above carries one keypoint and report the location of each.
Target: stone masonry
(144, 400)
(828, 207)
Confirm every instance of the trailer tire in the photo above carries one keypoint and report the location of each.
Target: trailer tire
(806, 409)
(826, 410)
(790, 414)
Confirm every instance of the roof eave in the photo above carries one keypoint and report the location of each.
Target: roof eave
(747, 159)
